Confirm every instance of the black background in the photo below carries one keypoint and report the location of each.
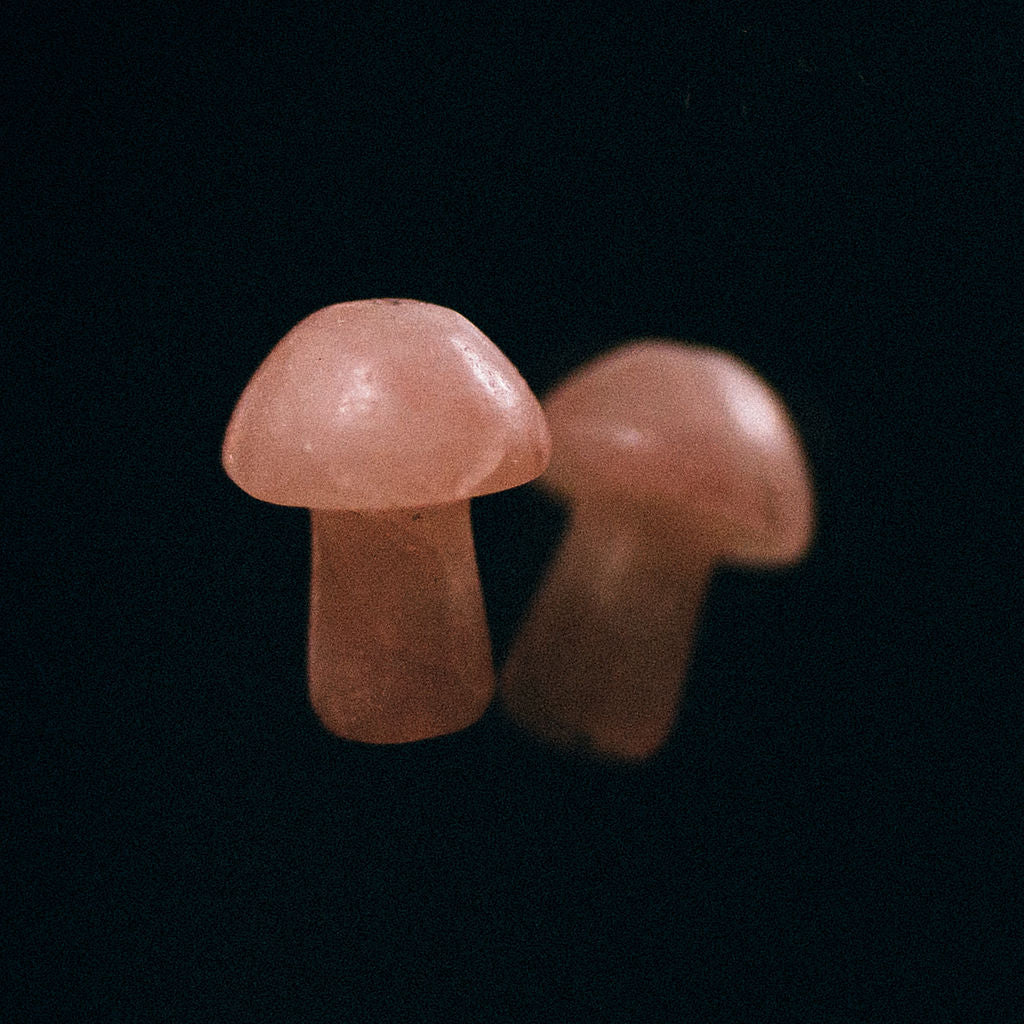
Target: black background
(833, 832)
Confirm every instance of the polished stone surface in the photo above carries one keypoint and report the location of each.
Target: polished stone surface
(385, 417)
(691, 432)
(384, 403)
(398, 642)
(673, 458)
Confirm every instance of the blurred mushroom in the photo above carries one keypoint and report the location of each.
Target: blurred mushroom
(384, 417)
(672, 458)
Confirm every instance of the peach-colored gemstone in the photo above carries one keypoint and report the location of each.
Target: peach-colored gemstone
(398, 642)
(385, 417)
(693, 433)
(673, 458)
(384, 403)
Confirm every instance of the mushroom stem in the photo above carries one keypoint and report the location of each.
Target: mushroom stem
(398, 642)
(600, 660)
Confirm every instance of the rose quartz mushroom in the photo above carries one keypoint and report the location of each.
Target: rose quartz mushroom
(673, 458)
(384, 417)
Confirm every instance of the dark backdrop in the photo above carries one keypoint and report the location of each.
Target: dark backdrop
(833, 832)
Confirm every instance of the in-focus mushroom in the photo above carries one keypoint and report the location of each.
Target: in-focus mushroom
(673, 458)
(384, 417)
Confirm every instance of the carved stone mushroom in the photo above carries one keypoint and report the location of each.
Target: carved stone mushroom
(672, 458)
(384, 417)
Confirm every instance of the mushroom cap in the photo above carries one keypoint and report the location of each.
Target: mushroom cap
(384, 403)
(678, 434)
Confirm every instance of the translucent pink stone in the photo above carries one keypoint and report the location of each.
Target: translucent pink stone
(672, 458)
(385, 417)
(384, 403)
(398, 642)
(691, 434)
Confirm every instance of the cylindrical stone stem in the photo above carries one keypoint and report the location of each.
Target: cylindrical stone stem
(398, 643)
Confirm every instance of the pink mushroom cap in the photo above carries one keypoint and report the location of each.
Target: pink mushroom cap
(384, 403)
(686, 436)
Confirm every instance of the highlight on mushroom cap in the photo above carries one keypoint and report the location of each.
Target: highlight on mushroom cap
(687, 435)
(384, 403)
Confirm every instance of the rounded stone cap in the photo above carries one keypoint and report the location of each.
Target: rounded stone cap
(691, 433)
(384, 403)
